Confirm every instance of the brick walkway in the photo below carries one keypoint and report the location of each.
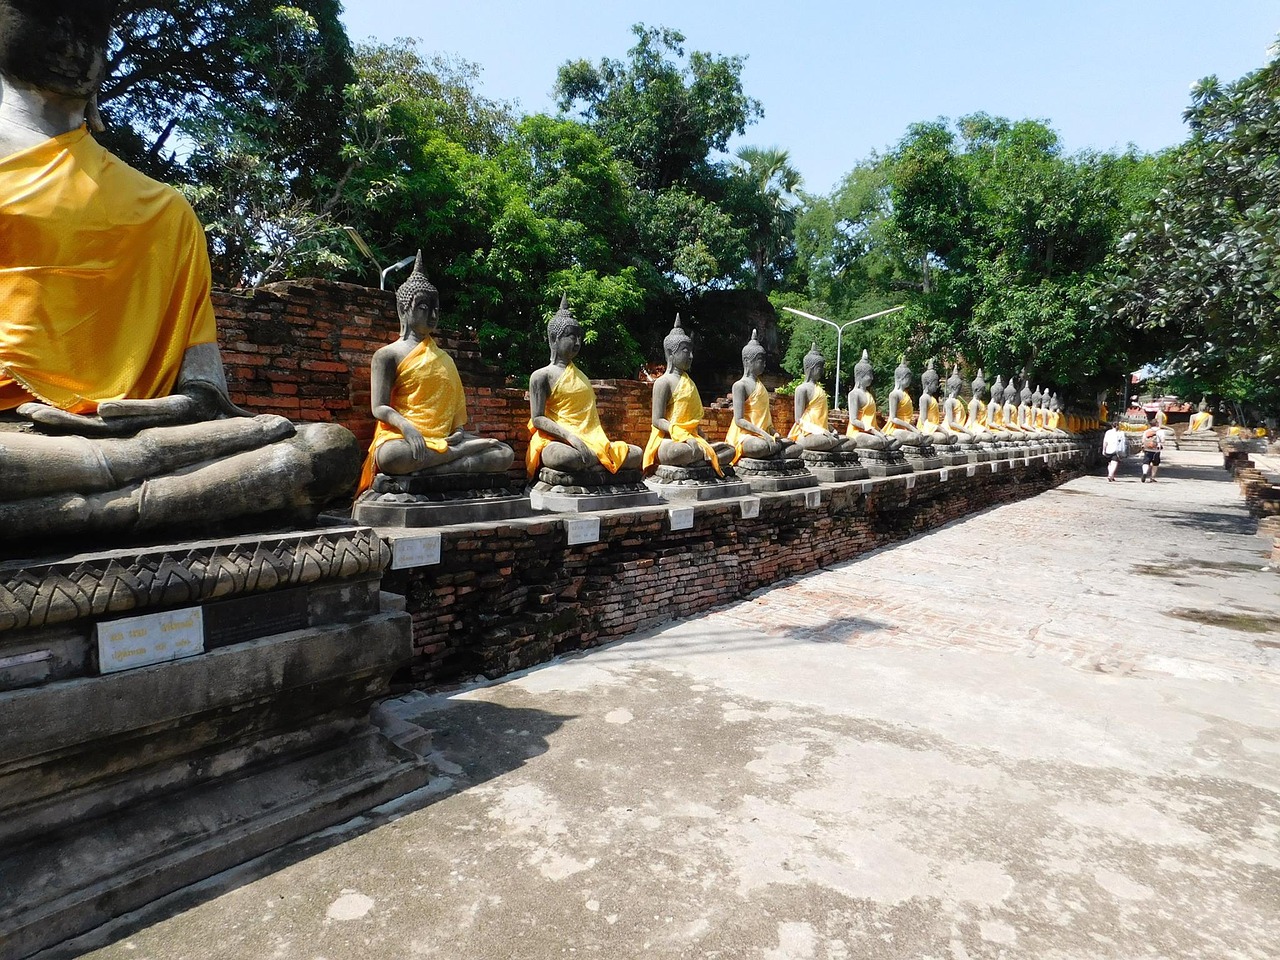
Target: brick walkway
(1046, 731)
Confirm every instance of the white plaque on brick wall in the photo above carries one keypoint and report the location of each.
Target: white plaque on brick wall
(681, 518)
(970, 470)
(911, 482)
(813, 498)
(582, 530)
(750, 507)
(942, 476)
(419, 550)
(152, 638)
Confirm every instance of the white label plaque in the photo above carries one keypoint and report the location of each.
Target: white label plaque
(970, 470)
(750, 507)
(416, 551)
(152, 638)
(582, 530)
(681, 518)
(911, 482)
(942, 476)
(813, 498)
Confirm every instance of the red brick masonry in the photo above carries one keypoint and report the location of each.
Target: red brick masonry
(516, 594)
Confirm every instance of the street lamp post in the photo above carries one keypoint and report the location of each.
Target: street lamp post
(839, 328)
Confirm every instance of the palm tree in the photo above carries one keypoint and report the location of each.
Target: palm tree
(774, 181)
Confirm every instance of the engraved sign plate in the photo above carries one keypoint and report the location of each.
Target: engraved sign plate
(911, 483)
(681, 518)
(813, 498)
(582, 530)
(750, 507)
(416, 551)
(152, 638)
(942, 476)
(253, 616)
(970, 470)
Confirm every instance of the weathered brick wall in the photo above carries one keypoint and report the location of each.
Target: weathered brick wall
(518, 594)
(302, 348)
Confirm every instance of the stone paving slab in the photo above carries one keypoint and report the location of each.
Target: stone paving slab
(1048, 730)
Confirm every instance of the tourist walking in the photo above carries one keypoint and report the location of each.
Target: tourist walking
(1114, 447)
(1152, 444)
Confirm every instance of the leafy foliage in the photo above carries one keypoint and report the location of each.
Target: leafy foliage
(1201, 268)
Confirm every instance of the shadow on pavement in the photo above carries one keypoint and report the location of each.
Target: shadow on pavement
(495, 739)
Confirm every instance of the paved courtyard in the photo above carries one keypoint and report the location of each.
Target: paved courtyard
(1047, 731)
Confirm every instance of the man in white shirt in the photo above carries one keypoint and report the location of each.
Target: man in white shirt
(1114, 447)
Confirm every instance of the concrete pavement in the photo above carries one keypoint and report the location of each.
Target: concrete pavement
(1048, 730)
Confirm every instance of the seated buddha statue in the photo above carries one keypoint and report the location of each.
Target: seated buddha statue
(751, 434)
(675, 437)
(1056, 420)
(1202, 420)
(929, 418)
(1009, 412)
(811, 430)
(862, 428)
(955, 418)
(978, 421)
(564, 425)
(417, 398)
(900, 414)
(114, 413)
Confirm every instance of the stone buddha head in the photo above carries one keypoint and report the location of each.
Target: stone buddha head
(902, 375)
(1025, 396)
(955, 383)
(418, 303)
(1011, 393)
(678, 348)
(814, 363)
(753, 356)
(1203, 405)
(1054, 404)
(862, 373)
(56, 45)
(1036, 397)
(929, 380)
(997, 390)
(564, 333)
(979, 385)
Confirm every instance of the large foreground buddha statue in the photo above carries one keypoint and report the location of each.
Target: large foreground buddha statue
(417, 398)
(675, 437)
(564, 425)
(114, 401)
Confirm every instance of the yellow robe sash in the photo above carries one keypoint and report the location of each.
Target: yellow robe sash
(1200, 421)
(104, 278)
(930, 418)
(428, 393)
(978, 422)
(1054, 421)
(685, 416)
(572, 405)
(1038, 420)
(756, 411)
(866, 415)
(906, 410)
(814, 419)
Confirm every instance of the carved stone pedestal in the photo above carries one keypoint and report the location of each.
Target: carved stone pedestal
(834, 467)
(695, 484)
(952, 455)
(772, 476)
(597, 489)
(168, 712)
(923, 457)
(1201, 442)
(884, 463)
(436, 499)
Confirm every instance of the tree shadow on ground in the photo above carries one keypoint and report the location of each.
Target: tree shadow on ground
(495, 740)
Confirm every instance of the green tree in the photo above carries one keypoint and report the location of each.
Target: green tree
(772, 184)
(1201, 267)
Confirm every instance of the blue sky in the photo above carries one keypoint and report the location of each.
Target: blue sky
(840, 80)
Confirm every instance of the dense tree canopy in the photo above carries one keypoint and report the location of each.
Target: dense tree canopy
(1201, 268)
(1007, 252)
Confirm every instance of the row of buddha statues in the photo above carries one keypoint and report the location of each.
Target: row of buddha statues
(116, 422)
(421, 447)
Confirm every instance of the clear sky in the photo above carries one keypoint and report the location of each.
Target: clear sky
(839, 80)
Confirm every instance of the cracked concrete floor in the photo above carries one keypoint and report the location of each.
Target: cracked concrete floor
(1048, 730)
